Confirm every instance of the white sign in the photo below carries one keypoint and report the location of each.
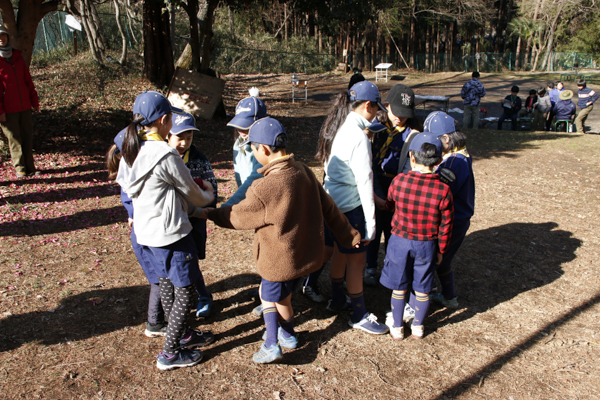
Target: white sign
(477, 56)
(72, 23)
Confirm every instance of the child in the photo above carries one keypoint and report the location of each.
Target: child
(542, 110)
(421, 231)
(472, 92)
(564, 109)
(511, 106)
(156, 325)
(529, 103)
(180, 138)
(286, 209)
(162, 190)
(456, 171)
(587, 98)
(345, 151)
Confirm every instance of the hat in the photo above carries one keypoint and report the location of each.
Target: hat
(366, 91)
(247, 112)
(119, 139)
(183, 122)
(402, 101)
(153, 105)
(376, 126)
(3, 30)
(439, 123)
(565, 95)
(265, 131)
(426, 137)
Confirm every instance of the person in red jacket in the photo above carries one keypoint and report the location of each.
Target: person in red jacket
(18, 99)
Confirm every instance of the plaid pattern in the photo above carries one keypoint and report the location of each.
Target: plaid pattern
(423, 208)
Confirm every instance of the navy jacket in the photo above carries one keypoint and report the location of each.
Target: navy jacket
(585, 96)
(564, 109)
(516, 107)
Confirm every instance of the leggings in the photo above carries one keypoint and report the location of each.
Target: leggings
(177, 303)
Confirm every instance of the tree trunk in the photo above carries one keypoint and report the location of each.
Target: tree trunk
(158, 54)
(86, 11)
(517, 55)
(208, 34)
(123, 59)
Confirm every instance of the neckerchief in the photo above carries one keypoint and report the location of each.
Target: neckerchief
(462, 151)
(142, 133)
(186, 156)
(388, 141)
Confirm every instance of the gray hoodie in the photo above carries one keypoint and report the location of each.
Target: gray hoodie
(161, 187)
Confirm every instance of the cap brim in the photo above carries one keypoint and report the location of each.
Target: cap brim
(402, 112)
(183, 129)
(177, 110)
(382, 107)
(241, 122)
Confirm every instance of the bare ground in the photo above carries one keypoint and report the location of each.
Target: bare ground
(73, 299)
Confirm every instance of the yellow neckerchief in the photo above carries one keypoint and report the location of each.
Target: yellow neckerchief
(422, 169)
(142, 133)
(186, 156)
(462, 151)
(389, 140)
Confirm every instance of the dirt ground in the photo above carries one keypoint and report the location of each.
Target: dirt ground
(73, 298)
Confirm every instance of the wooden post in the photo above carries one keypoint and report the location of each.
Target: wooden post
(75, 42)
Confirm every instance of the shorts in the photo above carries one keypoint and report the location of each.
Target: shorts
(274, 292)
(142, 258)
(409, 263)
(356, 218)
(177, 261)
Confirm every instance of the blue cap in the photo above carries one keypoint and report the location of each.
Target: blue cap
(426, 137)
(439, 123)
(119, 139)
(247, 112)
(265, 131)
(376, 126)
(366, 91)
(153, 105)
(183, 122)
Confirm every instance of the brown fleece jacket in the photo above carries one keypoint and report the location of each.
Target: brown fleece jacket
(286, 209)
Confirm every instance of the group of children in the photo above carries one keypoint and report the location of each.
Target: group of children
(385, 172)
(548, 105)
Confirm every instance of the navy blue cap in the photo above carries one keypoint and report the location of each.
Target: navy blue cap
(376, 126)
(119, 139)
(426, 137)
(248, 111)
(183, 122)
(265, 131)
(153, 105)
(439, 123)
(366, 91)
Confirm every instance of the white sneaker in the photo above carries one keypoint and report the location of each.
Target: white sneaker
(397, 333)
(418, 331)
(313, 294)
(409, 313)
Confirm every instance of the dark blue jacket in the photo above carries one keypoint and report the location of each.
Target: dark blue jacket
(585, 96)
(461, 182)
(516, 107)
(564, 109)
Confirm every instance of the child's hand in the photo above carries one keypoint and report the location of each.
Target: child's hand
(380, 203)
(363, 242)
(208, 186)
(205, 212)
(130, 222)
(440, 257)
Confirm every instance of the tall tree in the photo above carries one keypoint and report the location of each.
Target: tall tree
(158, 53)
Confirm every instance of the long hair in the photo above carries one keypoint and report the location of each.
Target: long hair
(335, 118)
(131, 141)
(113, 158)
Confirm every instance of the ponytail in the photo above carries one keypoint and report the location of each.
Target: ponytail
(335, 118)
(113, 158)
(131, 142)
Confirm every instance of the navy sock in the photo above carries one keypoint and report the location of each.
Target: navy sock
(421, 309)
(358, 306)
(412, 300)
(447, 281)
(270, 316)
(398, 303)
(287, 327)
(201, 288)
(313, 278)
(337, 292)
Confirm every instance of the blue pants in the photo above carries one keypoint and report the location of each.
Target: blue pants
(459, 231)
(513, 119)
(384, 225)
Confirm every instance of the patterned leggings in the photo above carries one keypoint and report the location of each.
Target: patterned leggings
(177, 303)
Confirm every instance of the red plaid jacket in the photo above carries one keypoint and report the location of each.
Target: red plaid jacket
(423, 208)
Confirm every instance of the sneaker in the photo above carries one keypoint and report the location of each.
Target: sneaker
(409, 313)
(313, 294)
(418, 331)
(155, 330)
(370, 278)
(439, 298)
(195, 339)
(289, 343)
(21, 175)
(267, 355)
(185, 358)
(397, 333)
(369, 324)
(258, 310)
(346, 306)
(204, 307)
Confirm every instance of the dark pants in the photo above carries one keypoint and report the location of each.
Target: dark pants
(18, 129)
(383, 220)
(512, 117)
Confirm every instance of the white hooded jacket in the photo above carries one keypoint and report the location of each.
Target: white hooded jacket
(160, 186)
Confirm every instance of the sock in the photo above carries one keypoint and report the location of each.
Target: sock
(201, 288)
(358, 306)
(337, 291)
(398, 303)
(412, 300)
(421, 309)
(270, 316)
(313, 278)
(287, 327)
(447, 281)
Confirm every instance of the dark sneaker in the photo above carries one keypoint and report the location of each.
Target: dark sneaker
(339, 308)
(195, 339)
(204, 307)
(185, 358)
(156, 330)
(439, 298)
(369, 324)
(267, 355)
(371, 278)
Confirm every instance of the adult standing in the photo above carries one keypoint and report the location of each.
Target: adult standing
(16, 106)
(472, 92)
(587, 98)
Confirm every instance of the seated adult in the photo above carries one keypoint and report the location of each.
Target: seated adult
(564, 109)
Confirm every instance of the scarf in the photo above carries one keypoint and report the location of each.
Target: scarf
(6, 51)
(462, 151)
(389, 140)
(142, 133)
